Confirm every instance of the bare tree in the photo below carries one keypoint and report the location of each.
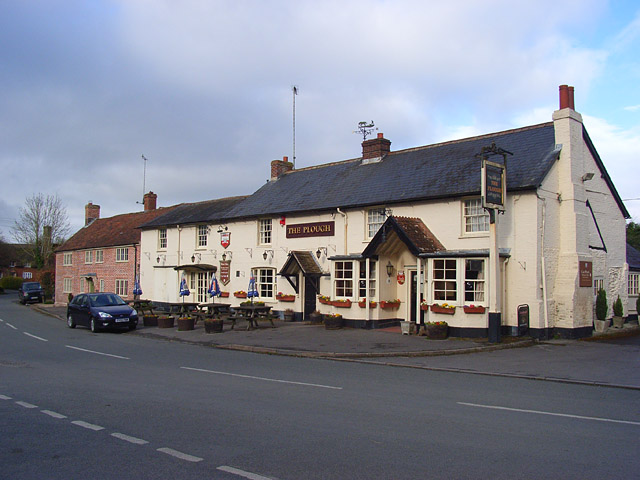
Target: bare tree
(42, 223)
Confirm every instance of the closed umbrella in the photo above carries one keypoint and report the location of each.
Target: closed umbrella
(214, 288)
(136, 286)
(184, 289)
(252, 290)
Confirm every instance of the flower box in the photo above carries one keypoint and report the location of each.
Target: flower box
(150, 320)
(186, 323)
(424, 307)
(286, 298)
(333, 322)
(389, 305)
(224, 294)
(213, 326)
(165, 322)
(363, 304)
(437, 331)
(473, 309)
(446, 311)
(240, 295)
(324, 300)
(341, 303)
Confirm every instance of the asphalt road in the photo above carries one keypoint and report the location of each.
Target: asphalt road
(74, 404)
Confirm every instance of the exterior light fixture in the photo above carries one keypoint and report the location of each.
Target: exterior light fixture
(389, 269)
(193, 258)
(320, 251)
(587, 176)
(224, 256)
(158, 259)
(264, 255)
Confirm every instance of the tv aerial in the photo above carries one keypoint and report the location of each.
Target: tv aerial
(365, 129)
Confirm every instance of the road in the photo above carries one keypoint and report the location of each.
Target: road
(74, 404)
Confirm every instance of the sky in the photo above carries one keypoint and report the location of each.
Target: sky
(203, 89)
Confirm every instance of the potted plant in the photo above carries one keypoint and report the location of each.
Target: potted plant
(213, 325)
(601, 323)
(473, 309)
(424, 305)
(165, 321)
(389, 304)
(186, 323)
(444, 308)
(618, 311)
(324, 299)
(289, 315)
(285, 298)
(150, 320)
(333, 321)
(363, 303)
(240, 294)
(315, 318)
(436, 330)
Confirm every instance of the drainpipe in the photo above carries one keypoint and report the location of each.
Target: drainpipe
(346, 228)
(544, 270)
(178, 257)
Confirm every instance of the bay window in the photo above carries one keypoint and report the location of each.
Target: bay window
(343, 279)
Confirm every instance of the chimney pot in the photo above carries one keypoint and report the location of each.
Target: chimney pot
(566, 97)
(380, 135)
(279, 167)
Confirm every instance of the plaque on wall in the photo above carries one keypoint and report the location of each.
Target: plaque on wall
(316, 229)
(586, 274)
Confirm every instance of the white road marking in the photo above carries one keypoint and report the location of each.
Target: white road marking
(538, 412)
(180, 455)
(262, 378)
(89, 426)
(37, 338)
(26, 405)
(127, 438)
(97, 353)
(53, 414)
(242, 473)
(9, 325)
(4, 397)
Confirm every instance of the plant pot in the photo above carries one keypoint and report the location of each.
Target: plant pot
(424, 307)
(333, 322)
(186, 323)
(315, 318)
(286, 298)
(342, 304)
(388, 305)
(289, 316)
(437, 332)
(150, 320)
(324, 302)
(213, 326)
(618, 322)
(446, 311)
(224, 294)
(165, 322)
(406, 328)
(473, 309)
(240, 295)
(601, 326)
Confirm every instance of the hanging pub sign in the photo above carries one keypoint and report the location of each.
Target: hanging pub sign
(316, 229)
(586, 274)
(225, 271)
(225, 239)
(494, 188)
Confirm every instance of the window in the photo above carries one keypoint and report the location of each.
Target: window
(362, 290)
(122, 287)
(88, 256)
(598, 283)
(67, 285)
(265, 231)
(122, 254)
(99, 256)
(343, 279)
(202, 235)
(162, 239)
(27, 265)
(27, 275)
(266, 282)
(474, 281)
(634, 281)
(444, 280)
(82, 284)
(476, 218)
(67, 259)
(375, 219)
(12, 264)
(102, 285)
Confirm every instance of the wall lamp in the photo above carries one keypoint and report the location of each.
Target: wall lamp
(389, 269)
(222, 228)
(163, 257)
(320, 251)
(224, 256)
(587, 176)
(194, 256)
(267, 253)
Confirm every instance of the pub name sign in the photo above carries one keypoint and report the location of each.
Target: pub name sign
(493, 185)
(317, 229)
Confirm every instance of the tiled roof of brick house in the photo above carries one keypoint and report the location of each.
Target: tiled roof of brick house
(112, 231)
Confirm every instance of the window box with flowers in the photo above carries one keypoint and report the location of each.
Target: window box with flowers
(324, 299)
(224, 294)
(285, 298)
(363, 303)
(444, 308)
(390, 304)
(333, 321)
(341, 303)
(436, 330)
(473, 309)
(240, 294)
(424, 305)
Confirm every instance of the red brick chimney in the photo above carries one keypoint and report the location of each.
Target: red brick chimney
(91, 213)
(149, 201)
(566, 97)
(279, 167)
(376, 147)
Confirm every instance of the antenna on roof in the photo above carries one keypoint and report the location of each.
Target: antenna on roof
(365, 129)
(144, 179)
(294, 88)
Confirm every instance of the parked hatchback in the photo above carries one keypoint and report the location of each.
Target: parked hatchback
(30, 292)
(99, 311)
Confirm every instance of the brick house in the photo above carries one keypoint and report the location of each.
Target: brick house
(104, 255)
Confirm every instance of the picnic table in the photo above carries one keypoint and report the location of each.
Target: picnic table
(142, 306)
(182, 307)
(252, 313)
(210, 310)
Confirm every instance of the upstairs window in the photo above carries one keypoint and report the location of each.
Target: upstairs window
(99, 256)
(122, 254)
(67, 258)
(88, 256)
(375, 219)
(476, 218)
(202, 235)
(162, 239)
(264, 234)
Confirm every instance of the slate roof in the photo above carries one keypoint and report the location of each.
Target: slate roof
(209, 211)
(111, 231)
(633, 258)
(443, 170)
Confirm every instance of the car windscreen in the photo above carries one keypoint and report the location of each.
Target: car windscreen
(31, 286)
(106, 300)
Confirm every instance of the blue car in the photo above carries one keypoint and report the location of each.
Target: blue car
(99, 311)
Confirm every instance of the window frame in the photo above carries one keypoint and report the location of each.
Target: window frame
(162, 239)
(119, 283)
(119, 254)
(265, 231)
(99, 256)
(67, 259)
(381, 217)
(265, 273)
(476, 282)
(202, 236)
(633, 284)
(444, 281)
(370, 291)
(88, 257)
(343, 279)
(478, 213)
(27, 275)
(67, 285)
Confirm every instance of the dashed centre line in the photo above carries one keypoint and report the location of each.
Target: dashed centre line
(127, 438)
(242, 473)
(180, 455)
(25, 404)
(34, 336)
(86, 425)
(9, 325)
(4, 397)
(97, 353)
(53, 414)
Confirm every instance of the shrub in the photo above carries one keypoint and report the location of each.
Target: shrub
(617, 307)
(601, 305)
(11, 283)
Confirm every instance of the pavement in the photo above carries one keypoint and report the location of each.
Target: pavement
(611, 359)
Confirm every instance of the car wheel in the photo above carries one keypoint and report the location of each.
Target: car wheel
(94, 325)
(132, 327)
(70, 322)
(23, 301)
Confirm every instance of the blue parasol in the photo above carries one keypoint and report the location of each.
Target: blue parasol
(184, 289)
(136, 286)
(252, 291)
(214, 288)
